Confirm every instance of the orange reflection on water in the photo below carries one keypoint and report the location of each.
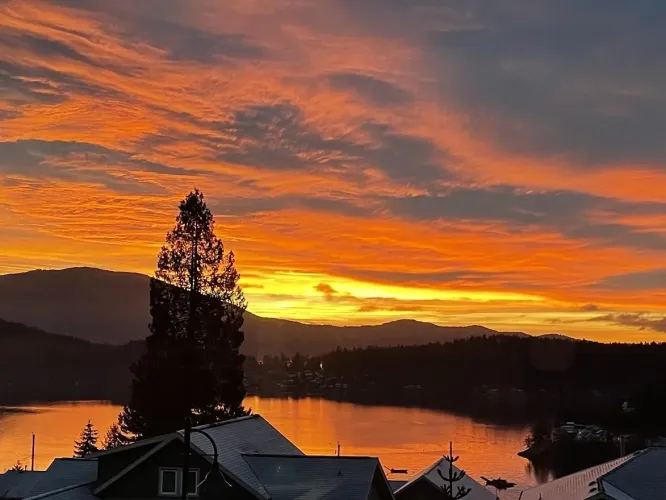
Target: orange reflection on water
(56, 427)
(405, 438)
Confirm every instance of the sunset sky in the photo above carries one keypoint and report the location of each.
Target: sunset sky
(456, 161)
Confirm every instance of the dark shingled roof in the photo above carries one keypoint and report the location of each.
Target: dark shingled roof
(17, 484)
(643, 477)
(315, 477)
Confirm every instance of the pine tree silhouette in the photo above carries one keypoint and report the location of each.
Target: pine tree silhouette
(18, 467)
(453, 477)
(114, 438)
(192, 370)
(87, 442)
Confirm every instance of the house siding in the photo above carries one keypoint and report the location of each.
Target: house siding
(111, 464)
(380, 489)
(142, 482)
(422, 489)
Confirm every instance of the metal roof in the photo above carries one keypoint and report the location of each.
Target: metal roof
(643, 477)
(246, 435)
(315, 477)
(577, 486)
(430, 474)
(17, 484)
(65, 472)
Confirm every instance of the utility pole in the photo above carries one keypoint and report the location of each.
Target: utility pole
(186, 458)
(193, 295)
(338, 448)
(32, 455)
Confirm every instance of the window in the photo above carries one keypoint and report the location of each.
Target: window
(171, 482)
(193, 482)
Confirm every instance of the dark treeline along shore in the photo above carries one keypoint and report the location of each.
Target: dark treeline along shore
(500, 378)
(509, 377)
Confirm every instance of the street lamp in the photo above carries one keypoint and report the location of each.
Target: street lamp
(214, 485)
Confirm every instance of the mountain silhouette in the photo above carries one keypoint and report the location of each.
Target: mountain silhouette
(41, 366)
(113, 308)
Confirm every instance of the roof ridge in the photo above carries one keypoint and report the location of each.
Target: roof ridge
(75, 459)
(224, 422)
(436, 464)
(631, 458)
(281, 455)
(626, 458)
(423, 473)
(155, 440)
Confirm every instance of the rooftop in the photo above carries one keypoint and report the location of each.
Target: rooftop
(643, 477)
(247, 435)
(430, 474)
(577, 486)
(292, 477)
(17, 484)
(64, 472)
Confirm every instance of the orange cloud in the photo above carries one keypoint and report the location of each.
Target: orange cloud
(360, 161)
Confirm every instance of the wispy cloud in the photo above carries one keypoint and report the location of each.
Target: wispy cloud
(491, 163)
(643, 321)
(370, 88)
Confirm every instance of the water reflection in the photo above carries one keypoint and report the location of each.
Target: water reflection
(406, 438)
(540, 474)
(56, 426)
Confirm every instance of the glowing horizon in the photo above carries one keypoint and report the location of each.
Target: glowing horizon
(366, 161)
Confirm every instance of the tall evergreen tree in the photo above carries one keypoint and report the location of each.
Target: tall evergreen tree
(87, 443)
(192, 368)
(453, 477)
(114, 438)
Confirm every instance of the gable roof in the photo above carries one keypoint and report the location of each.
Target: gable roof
(17, 484)
(577, 486)
(294, 477)
(478, 492)
(251, 434)
(245, 435)
(643, 477)
(149, 453)
(63, 473)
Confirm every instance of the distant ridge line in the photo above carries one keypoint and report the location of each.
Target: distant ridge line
(112, 307)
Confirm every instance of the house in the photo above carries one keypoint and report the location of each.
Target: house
(638, 476)
(256, 461)
(427, 485)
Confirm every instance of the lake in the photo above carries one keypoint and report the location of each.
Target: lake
(403, 438)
